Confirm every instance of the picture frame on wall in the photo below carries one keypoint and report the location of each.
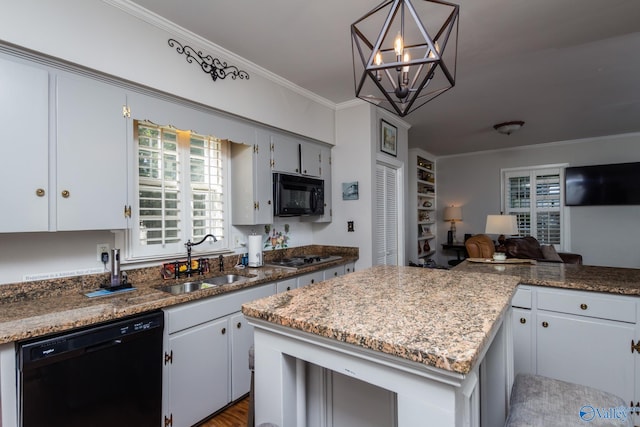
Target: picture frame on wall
(388, 138)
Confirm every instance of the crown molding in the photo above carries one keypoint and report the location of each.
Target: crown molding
(185, 35)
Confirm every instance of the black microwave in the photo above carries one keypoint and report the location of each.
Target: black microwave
(296, 195)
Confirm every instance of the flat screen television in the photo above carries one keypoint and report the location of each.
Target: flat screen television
(614, 184)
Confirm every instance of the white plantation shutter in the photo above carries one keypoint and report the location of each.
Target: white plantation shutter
(180, 189)
(386, 224)
(535, 197)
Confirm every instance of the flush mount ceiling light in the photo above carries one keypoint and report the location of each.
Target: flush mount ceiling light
(398, 65)
(507, 128)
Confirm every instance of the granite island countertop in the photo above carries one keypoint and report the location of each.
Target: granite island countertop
(434, 317)
(29, 310)
(615, 280)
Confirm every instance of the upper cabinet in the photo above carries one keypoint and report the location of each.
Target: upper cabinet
(83, 186)
(24, 175)
(91, 155)
(293, 156)
(252, 182)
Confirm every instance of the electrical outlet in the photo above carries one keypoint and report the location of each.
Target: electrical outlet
(102, 247)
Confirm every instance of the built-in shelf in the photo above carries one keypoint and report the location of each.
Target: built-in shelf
(422, 206)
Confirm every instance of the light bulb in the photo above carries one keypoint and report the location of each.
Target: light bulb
(378, 58)
(406, 60)
(398, 45)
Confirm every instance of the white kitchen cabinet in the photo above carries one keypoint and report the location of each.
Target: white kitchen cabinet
(199, 376)
(206, 354)
(580, 337)
(295, 156)
(24, 175)
(332, 272)
(325, 175)
(310, 159)
(285, 154)
(349, 268)
(241, 341)
(310, 278)
(252, 182)
(522, 341)
(582, 350)
(91, 165)
(286, 285)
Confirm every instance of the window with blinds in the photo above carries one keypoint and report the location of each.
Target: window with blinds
(386, 219)
(535, 196)
(180, 189)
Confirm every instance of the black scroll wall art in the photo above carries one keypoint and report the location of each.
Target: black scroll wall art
(210, 65)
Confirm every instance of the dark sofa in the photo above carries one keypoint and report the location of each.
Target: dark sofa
(528, 247)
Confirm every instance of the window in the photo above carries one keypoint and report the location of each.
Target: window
(535, 196)
(180, 186)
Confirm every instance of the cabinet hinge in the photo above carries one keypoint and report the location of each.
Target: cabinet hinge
(320, 170)
(637, 406)
(272, 163)
(256, 206)
(271, 146)
(127, 211)
(168, 421)
(126, 111)
(168, 357)
(635, 347)
(256, 148)
(330, 159)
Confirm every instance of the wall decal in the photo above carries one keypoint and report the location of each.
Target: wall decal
(210, 65)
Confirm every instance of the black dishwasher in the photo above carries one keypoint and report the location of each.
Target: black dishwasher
(105, 375)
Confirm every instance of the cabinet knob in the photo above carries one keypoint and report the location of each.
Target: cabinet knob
(545, 324)
(40, 192)
(523, 320)
(583, 306)
(223, 331)
(65, 194)
(335, 273)
(288, 288)
(313, 281)
(239, 325)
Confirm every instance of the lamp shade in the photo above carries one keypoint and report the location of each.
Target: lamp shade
(453, 213)
(501, 224)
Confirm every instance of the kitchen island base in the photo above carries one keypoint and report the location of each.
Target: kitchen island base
(422, 393)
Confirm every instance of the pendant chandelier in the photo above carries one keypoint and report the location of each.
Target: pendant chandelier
(398, 65)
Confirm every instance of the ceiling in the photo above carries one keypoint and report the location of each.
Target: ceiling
(569, 68)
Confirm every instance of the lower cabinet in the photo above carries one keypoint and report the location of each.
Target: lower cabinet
(581, 337)
(206, 355)
(311, 278)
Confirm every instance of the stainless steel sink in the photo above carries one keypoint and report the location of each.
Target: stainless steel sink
(213, 282)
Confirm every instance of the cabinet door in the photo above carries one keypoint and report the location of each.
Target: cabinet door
(333, 272)
(91, 155)
(241, 342)
(263, 180)
(286, 285)
(522, 341)
(349, 268)
(310, 159)
(198, 376)
(24, 175)
(586, 351)
(310, 278)
(285, 154)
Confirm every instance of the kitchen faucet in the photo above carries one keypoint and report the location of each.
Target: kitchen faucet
(189, 245)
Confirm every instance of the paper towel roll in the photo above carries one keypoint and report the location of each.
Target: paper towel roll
(255, 250)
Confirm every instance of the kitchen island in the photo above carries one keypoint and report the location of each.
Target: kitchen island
(422, 334)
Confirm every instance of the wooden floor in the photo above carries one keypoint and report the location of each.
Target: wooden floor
(234, 416)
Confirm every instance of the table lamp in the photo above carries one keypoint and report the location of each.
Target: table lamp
(453, 214)
(501, 224)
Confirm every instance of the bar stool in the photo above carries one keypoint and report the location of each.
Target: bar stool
(546, 402)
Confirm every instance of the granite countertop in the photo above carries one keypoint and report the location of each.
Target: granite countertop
(435, 317)
(34, 309)
(622, 281)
